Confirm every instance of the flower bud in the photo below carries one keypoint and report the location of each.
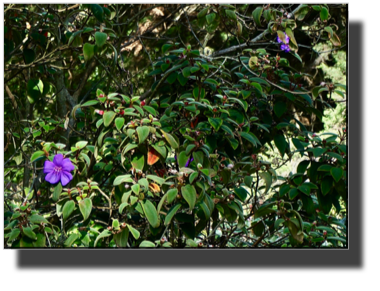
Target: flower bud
(142, 103)
(100, 112)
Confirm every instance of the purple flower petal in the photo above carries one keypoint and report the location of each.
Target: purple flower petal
(67, 165)
(58, 159)
(53, 177)
(48, 167)
(66, 177)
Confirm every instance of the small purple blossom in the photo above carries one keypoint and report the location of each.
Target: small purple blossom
(285, 48)
(189, 161)
(59, 170)
(286, 39)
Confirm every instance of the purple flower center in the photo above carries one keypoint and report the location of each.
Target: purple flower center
(57, 169)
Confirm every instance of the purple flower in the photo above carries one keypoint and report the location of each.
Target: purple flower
(58, 170)
(285, 47)
(286, 39)
(189, 161)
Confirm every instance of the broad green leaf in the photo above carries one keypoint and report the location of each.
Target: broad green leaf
(29, 233)
(147, 244)
(326, 184)
(231, 14)
(256, 14)
(210, 18)
(98, 12)
(171, 195)
(57, 191)
(216, 123)
(281, 143)
(108, 117)
(171, 213)
(138, 161)
(85, 207)
(189, 194)
(150, 212)
(134, 231)
(100, 38)
(37, 219)
(122, 179)
(143, 133)
(293, 193)
(337, 173)
(119, 122)
(68, 208)
(268, 180)
(70, 240)
(105, 233)
(88, 51)
(36, 155)
(121, 239)
(171, 140)
(324, 14)
(280, 108)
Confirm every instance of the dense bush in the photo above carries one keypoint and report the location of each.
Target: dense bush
(101, 154)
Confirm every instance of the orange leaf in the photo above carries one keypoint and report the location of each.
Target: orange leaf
(154, 187)
(194, 123)
(153, 156)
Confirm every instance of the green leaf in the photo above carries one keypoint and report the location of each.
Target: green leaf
(121, 239)
(182, 159)
(268, 180)
(186, 72)
(281, 144)
(121, 179)
(302, 12)
(85, 207)
(100, 38)
(151, 213)
(256, 14)
(189, 194)
(171, 213)
(166, 47)
(14, 234)
(138, 161)
(202, 13)
(304, 189)
(35, 89)
(241, 193)
(57, 191)
(98, 12)
(135, 232)
(171, 195)
(136, 188)
(71, 239)
(182, 80)
(156, 179)
(324, 14)
(29, 233)
(88, 51)
(326, 185)
(293, 193)
(215, 122)
(280, 108)
(105, 233)
(250, 137)
(173, 143)
(143, 133)
(210, 18)
(119, 122)
(36, 155)
(29, 56)
(231, 14)
(108, 117)
(37, 219)
(147, 244)
(337, 173)
(68, 208)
